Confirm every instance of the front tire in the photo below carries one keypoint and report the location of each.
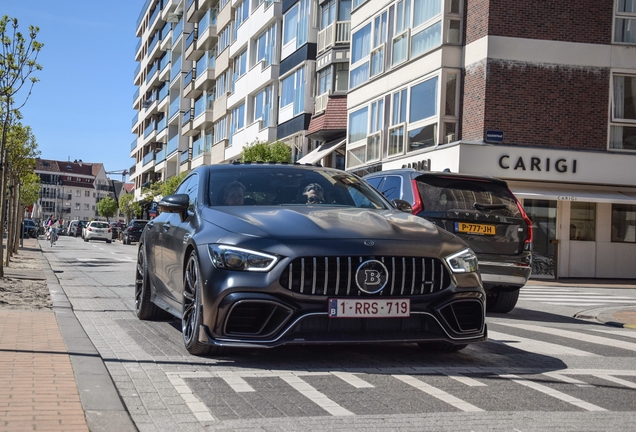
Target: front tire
(193, 309)
(144, 308)
(86, 239)
(502, 301)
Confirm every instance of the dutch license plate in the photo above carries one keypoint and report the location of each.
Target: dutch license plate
(369, 308)
(471, 228)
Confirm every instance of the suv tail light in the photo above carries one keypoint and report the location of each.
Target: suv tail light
(525, 217)
(417, 204)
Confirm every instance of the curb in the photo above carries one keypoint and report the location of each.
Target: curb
(103, 408)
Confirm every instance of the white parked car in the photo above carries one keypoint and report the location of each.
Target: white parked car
(98, 231)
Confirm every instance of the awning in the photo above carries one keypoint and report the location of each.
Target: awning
(571, 194)
(320, 152)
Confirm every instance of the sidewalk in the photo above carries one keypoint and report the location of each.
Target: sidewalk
(51, 376)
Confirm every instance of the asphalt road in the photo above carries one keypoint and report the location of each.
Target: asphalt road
(541, 369)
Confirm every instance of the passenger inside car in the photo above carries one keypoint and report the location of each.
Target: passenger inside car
(234, 194)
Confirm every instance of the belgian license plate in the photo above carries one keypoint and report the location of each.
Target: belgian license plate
(471, 228)
(369, 308)
(98, 231)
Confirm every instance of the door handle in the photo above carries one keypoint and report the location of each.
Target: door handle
(166, 226)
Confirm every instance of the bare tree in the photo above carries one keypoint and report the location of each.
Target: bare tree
(18, 61)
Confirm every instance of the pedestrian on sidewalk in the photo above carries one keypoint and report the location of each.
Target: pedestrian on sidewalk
(54, 225)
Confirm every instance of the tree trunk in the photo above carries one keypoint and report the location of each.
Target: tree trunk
(10, 222)
(19, 219)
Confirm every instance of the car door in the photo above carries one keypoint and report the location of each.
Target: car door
(175, 233)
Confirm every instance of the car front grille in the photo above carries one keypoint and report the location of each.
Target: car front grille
(335, 276)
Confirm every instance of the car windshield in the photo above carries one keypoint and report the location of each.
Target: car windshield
(99, 225)
(139, 224)
(268, 186)
(448, 193)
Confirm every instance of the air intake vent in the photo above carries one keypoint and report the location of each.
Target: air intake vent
(256, 318)
(464, 316)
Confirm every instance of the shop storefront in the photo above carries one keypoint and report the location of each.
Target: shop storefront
(582, 204)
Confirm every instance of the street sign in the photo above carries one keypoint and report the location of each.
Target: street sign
(494, 136)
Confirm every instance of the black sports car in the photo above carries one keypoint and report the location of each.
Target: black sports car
(260, 255)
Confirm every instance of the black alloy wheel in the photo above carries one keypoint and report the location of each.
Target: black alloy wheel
(144, 308)
(192, 316)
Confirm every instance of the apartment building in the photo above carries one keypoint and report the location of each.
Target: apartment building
(215, 75)
(541, 94)
(71, 190)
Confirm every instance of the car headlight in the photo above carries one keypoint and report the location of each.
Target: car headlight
(463, 262)
(233, 258)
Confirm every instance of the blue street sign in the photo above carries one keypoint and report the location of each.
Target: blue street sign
(494, 136)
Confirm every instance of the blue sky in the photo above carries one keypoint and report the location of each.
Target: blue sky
(82, 106)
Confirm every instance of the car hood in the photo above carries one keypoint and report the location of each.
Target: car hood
(305, 222)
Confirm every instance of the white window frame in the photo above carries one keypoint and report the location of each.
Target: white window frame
(624, 16)
(615, 121)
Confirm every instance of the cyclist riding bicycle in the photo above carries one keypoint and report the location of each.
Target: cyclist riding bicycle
(54, 225)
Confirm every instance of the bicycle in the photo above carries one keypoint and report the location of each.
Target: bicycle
(52, 236)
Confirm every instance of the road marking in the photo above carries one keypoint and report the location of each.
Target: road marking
(626, 333)
(352, 379)
(583, 337)
(578, 299)
(237, 383)
(535, 346)
(465, 380)
(438, 393)
(314, 395)
(573, 304)
(554, 393)
(567, 379)
(620, 381)
(198, 408)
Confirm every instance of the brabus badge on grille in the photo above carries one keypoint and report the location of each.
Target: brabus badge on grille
(371, 276)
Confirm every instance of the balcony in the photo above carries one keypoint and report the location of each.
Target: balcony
(133, 145)
(321, 103)
(203, 113)
(174, 108)
(186, 125)
(208, 36)
(160, 155)
(173, 145)
(184, 157)
(150, 157)
(132, 169)
(335, 33)
(191, 51)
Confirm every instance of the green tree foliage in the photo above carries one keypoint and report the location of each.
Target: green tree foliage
(30, 188)
(131, 209)
(163, 188)
(107, 207)
(262, 151)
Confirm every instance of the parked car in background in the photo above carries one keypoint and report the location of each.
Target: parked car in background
(30, 228)
(263, 255)
(97, 230)
(133, 231)
(483, 212)
(75, 228)
(116, 228)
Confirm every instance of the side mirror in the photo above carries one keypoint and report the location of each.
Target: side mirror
(402, 205)
(177, 203)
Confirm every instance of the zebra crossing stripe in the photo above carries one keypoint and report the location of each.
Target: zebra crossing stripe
(535, 346)
(583, 337)
(237, 383)
(554, 393)
(438, 393)
(315, 396)
(567, 379)
(352, 379)
(465, 380)
(616, 380)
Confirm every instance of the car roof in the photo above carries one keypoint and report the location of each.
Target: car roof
(412, 173)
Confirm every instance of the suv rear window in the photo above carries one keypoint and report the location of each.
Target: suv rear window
(448, 193)
(139, 224)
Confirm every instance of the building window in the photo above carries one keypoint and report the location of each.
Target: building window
(263, 106)
(294, 91)
(379, 40)
(624, 223)
(623, 119)
(582, 221)
(265, 45)
(295, 24)
(357, 3)
(238, 120)
(398, 119)
(324, 81)
(625, 21)
(220, 130)
(222, 84)
(77, 206)
(402, 26)
(423, 100)
(374, 140)
(241, 13)
(239, 67)
(342, 77)
(78, 193)
(225, 37)
(87, 207)
(327, 13)
(358, 125)
(87, 193)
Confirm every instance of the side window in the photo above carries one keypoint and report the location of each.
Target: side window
(392, 187)
(375, 182)
(193, 191)
(183, 187)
